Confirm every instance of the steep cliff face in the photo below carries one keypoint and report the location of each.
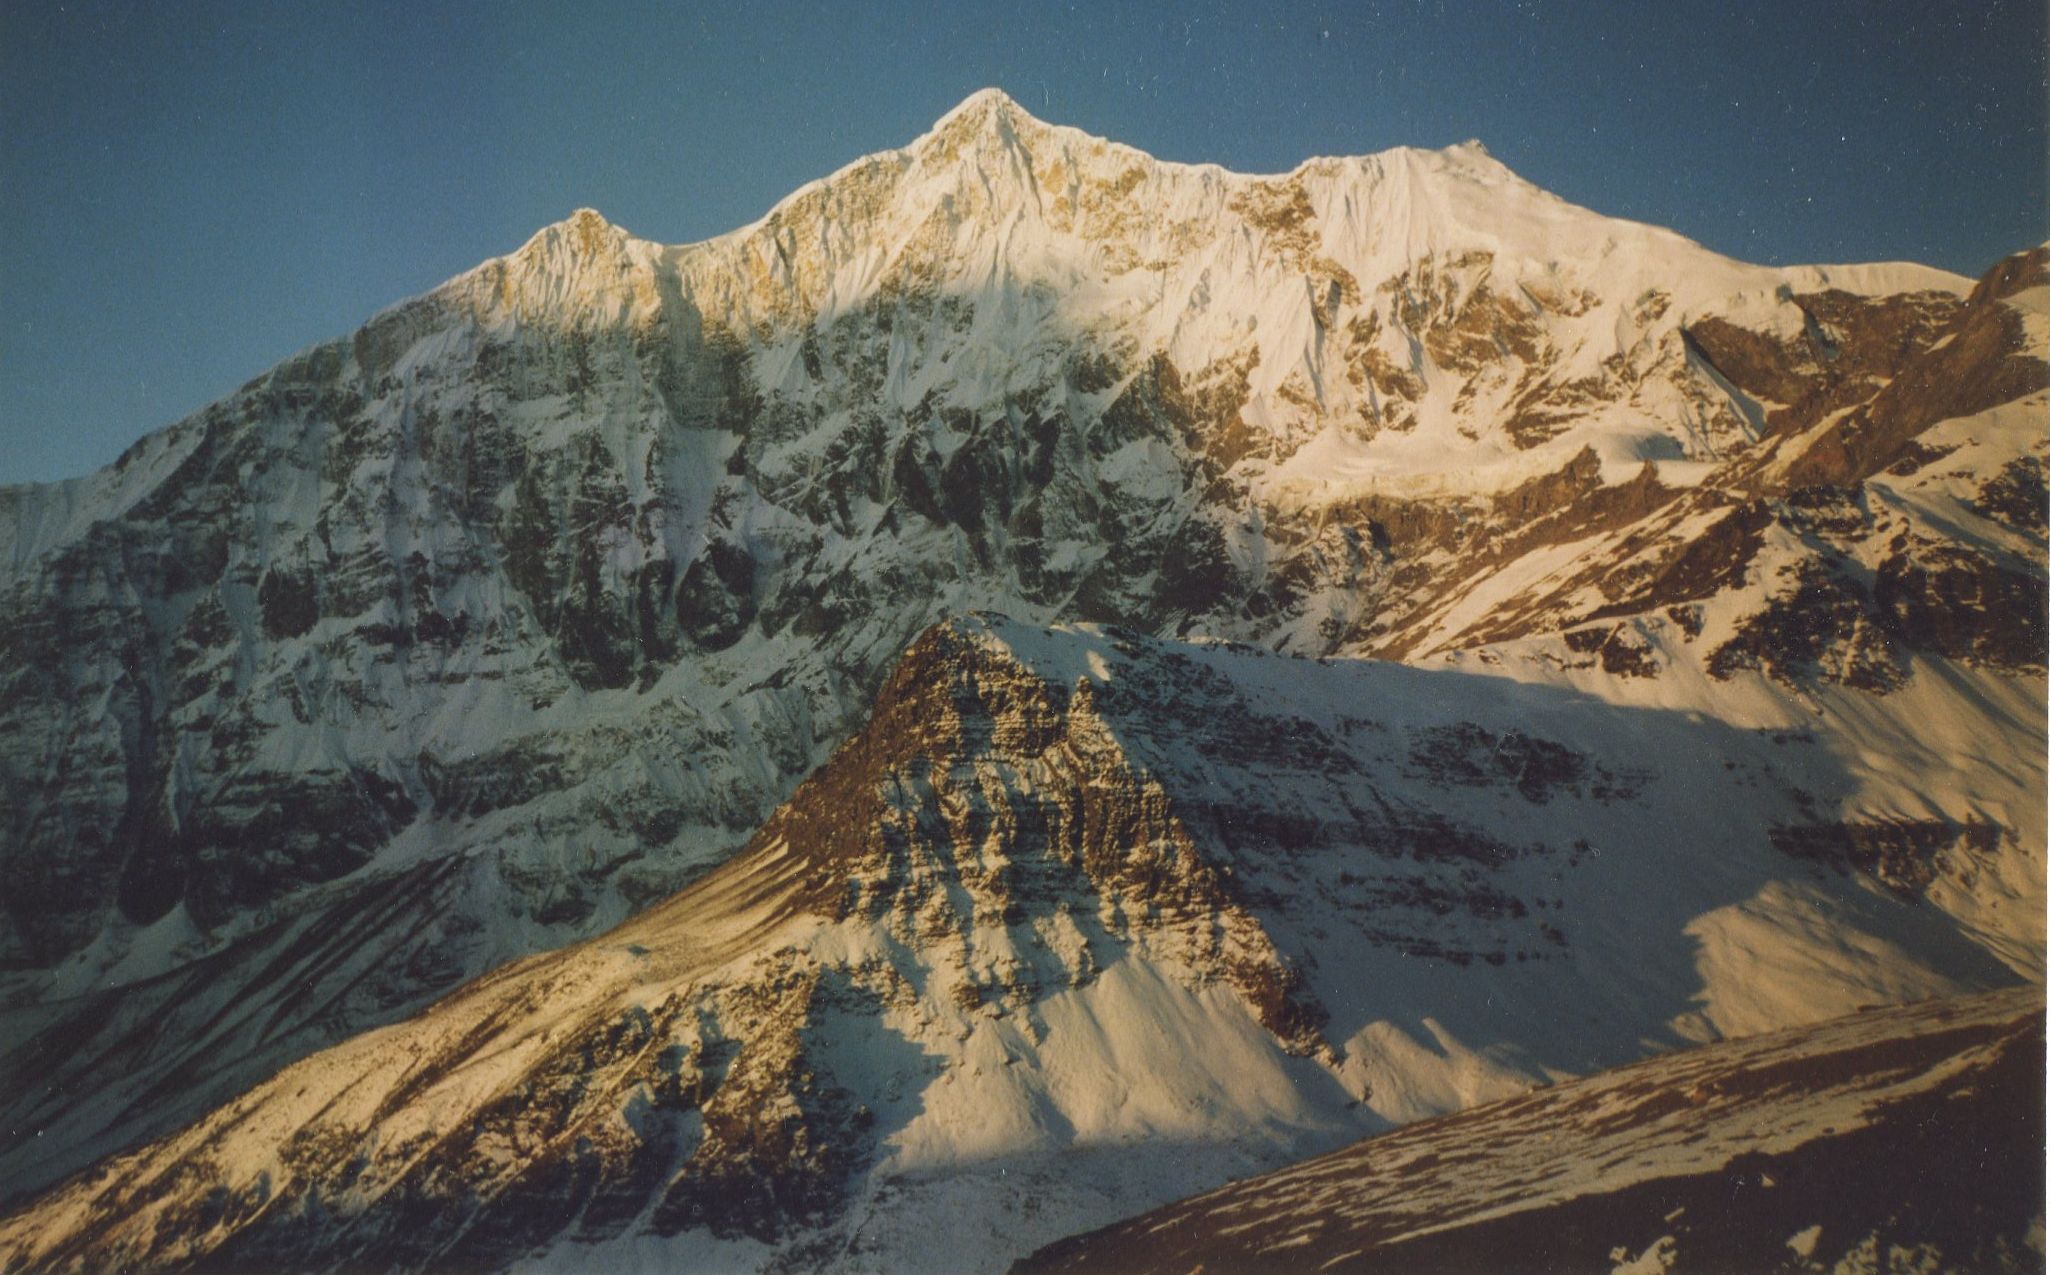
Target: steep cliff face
(476, 631)
(1081, 921)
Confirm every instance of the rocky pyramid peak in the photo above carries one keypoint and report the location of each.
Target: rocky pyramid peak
(988, 107)
(589, 230)
(584, 236)
(987, 126)
(581, 269)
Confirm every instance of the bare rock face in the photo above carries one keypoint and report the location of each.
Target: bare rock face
(486, 627)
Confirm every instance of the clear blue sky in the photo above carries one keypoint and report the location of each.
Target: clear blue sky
(190, 192)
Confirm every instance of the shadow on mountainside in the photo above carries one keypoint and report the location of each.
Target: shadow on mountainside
(1404, 890)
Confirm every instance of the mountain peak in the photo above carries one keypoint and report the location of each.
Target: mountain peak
(989, 112)
(585, 235)
(587, 232)
(576, 269)
(984, 105)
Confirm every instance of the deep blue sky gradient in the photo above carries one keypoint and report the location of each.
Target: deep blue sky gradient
(190, 192)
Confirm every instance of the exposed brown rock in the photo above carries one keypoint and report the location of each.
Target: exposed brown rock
(1825, 626)
(1716, 560)
(2013, 274)
(1621, 651)
(1953, 602)
(1903, 854)
(2017, 496)
(1474, 755)
(1848, 347)
(950, 702)
(1979, 359)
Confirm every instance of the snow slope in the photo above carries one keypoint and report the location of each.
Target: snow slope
(1904, 1138)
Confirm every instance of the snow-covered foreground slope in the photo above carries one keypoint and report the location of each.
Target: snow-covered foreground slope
(1083, 921)
(1899, 1139)
(479, 630)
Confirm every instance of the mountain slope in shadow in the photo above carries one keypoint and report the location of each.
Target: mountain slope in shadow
(1078, 923)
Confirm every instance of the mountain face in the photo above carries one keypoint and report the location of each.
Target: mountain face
(484, 628)
(1079, 922)
(1901, 1139)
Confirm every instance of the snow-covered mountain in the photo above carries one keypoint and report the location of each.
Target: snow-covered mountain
(1897, 1139)
(478, 630)
(1081, 922)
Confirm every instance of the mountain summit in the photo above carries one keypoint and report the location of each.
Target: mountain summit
(497, 622)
